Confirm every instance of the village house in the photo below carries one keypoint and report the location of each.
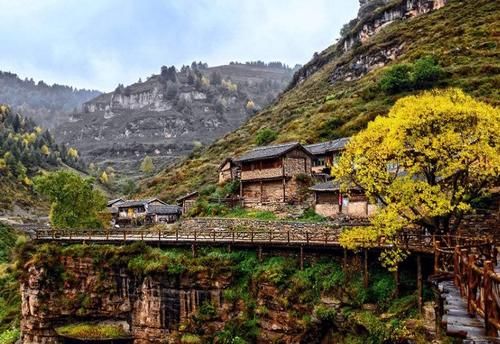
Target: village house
(326, 154)
(186, 202)
(228, 171)
(273, 174)
(329, 201)
(141, 212)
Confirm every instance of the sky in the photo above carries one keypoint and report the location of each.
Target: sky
(97, 44)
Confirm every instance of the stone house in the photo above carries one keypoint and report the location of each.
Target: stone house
(228, 171)
(330, 202)
(326, 154)
(140, 212)
(273, 174)
(186, 202)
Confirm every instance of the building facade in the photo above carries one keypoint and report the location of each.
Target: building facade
(329, 201)
(142, 212)
(274, 174)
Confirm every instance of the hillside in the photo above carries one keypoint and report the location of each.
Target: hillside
(338, 92)
(46, 104)
(25, 150)
(168, 115)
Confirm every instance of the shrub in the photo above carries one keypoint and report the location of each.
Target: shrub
(397, 79)
(426, 72)
(265, 136)
(423, 73)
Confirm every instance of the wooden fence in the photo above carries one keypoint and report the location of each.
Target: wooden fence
(472, 262)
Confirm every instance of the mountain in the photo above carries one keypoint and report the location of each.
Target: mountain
(48, 105)
(169, 114)
(25, 150)
(340, 90)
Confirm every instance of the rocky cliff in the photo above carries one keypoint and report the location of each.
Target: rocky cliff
(166, 296)
(170, 114)
(372, 17)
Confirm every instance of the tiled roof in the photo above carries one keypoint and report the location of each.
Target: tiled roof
(187, 196)
(330, 186)
(268, 152)
(113, 201)
(326, 186)
(329, 146)
(164, 209)
(136, 203)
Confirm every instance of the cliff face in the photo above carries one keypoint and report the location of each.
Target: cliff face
(169, 114)
(166, 296)
(154, 306)
(373, 16)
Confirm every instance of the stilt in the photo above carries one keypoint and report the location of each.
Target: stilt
(397, 282)
(259, 253)
(420, 286)
(229, 248)
(193, 250)
(365, 275)
(301, 257)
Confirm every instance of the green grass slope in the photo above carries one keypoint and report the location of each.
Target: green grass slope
(463, 36)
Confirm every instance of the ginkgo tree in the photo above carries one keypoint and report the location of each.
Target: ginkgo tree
(423, 163)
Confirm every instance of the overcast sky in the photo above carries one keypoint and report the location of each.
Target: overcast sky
(100, 43)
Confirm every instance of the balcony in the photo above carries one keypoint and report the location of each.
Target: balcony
(265, 173)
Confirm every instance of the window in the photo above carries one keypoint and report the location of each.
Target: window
(319, 162)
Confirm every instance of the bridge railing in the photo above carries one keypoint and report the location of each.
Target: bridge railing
(411, 240)
(472, 265)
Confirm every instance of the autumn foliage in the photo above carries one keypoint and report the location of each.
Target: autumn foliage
(423, 163)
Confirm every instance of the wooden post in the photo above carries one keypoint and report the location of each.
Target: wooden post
(345, 259)
(397, 282)
(229, 248)
(470, 297)
(488, 299)
(193, 250)
(365, 268)
(456, 267)
(259, 253)
(420, 286)
(301, 257)
(436, 256)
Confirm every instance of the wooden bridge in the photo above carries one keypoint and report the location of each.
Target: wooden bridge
(175, 235)
(465, 266)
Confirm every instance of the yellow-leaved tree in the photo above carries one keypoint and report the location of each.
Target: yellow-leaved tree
(423, 163)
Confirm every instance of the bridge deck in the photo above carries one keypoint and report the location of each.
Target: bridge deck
(457, 321)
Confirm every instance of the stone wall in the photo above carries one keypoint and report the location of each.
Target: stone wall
(262, 225)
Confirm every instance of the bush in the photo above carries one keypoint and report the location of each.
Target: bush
(397, 79)
(265, 136)
(426, 72)
(422, 74)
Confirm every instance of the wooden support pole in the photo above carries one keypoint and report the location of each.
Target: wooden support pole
(229, 248)
(365, 268)
(345, 259)
(193, 250)
(470, 296)
(259, 253)
(397, 282)
(436, 256)
(420, 286)
(301, 257)
(489, 300)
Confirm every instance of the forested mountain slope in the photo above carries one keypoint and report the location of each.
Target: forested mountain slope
(25, 150)
(47, 104)
(346, 86)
